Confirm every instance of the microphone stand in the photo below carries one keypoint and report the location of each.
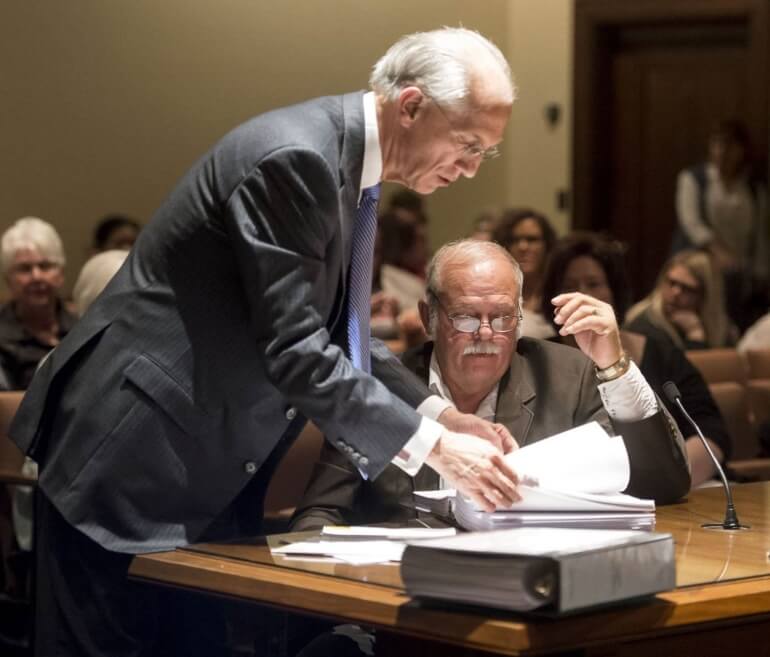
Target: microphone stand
(731, 522)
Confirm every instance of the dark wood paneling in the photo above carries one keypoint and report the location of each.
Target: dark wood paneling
(651, 77)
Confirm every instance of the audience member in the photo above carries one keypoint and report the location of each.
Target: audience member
(93, 278)
(478, 362)
(115, 231)
(529, 237)
(687, 305)
(34, 319)
(404, 247)
(595, 265)
(408, 206)
(757, 336)
(722, 208)
(484, 226)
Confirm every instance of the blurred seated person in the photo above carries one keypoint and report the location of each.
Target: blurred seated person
(484, 226)
(34, 320)
(408, 206)
(687, 306)
(757, 336)
(115, 231)
(404, 249)
(722, 208)
(93, 278)
(478, 362)
(529, 237)
(594, 265)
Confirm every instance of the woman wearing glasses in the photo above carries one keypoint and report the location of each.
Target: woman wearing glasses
(687, 305)
(529, 237)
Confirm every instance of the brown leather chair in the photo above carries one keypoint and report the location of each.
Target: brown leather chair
(11, 458)
(15, 599)
(719, 365)
(727, 373)
(291, 477)
(758, 363)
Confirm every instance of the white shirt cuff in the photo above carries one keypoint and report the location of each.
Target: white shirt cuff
(433, 406)
(629, 398)
(412, 455)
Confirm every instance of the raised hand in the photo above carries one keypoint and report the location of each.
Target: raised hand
(592, 323)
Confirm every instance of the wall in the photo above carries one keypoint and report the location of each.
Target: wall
(539, 48)
(106, 104)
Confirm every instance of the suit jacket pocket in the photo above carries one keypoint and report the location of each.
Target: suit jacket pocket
(172, 398)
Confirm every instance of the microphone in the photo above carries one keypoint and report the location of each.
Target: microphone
(731, 517)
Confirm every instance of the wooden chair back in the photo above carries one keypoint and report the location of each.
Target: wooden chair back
(759, 363)
(719, 365)
(293, 473)
(11, 458)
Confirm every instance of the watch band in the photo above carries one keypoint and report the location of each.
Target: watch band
(615, 370)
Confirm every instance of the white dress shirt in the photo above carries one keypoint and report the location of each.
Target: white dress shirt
(416, 450)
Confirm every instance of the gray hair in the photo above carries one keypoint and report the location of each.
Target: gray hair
(468, 250)
(31, 233)
(443, 63)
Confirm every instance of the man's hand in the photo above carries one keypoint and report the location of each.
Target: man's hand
(495, 433)
(592, 323)
(476, 469)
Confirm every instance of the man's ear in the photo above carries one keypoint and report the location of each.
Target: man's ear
(425, 316)
(410, 101)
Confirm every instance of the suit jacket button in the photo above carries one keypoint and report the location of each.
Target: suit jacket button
(250, 467)
(363, 461)
(291, 413)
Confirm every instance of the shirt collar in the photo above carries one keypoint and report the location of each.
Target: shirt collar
(372, 169)
(488, 406)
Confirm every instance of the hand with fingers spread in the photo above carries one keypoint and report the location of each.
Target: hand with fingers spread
(476, 469)
(494, 432)
(593, 325)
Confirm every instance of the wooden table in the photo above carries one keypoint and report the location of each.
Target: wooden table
(721, 605)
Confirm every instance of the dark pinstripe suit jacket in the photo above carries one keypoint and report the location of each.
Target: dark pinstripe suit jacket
(226, 322)
(548, 388)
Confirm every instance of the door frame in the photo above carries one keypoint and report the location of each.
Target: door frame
(595, 21)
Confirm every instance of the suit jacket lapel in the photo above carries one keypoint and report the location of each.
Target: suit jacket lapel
(515, 398)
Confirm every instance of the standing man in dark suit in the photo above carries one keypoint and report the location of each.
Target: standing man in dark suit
(237, 316)
(535, 388)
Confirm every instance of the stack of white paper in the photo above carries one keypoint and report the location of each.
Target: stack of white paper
(576, 478)
(360, 545)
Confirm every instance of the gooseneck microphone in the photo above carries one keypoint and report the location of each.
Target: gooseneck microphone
(731, 517)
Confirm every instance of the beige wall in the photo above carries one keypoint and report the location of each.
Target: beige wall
(105, 104)
(539, 47)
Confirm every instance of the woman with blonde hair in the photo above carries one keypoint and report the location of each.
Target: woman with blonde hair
(687, 305)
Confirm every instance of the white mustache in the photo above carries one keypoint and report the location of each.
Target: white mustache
(481, 348)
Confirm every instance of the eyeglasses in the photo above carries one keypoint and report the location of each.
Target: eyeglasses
(472, 324)
(469, 150)
(684, 287)
(526, 239)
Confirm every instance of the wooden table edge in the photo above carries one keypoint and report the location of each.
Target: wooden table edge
(388, 608)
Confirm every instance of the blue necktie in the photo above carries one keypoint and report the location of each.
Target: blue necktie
(360, 278)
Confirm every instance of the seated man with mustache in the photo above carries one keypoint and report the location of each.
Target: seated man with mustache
(477, 361)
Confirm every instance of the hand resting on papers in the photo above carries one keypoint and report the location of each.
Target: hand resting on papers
(476, 468)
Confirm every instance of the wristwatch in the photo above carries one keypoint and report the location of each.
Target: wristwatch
(615, 370)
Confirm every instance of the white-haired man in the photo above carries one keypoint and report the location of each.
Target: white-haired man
(34, 320)
(534, 388)
(237, 315)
